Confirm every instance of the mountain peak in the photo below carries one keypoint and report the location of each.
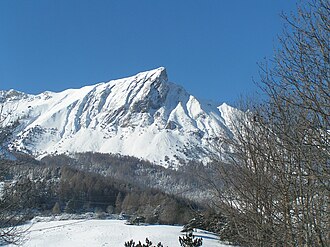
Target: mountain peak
(143, 116)
(159, 74)
(157, 71)
(162, 73)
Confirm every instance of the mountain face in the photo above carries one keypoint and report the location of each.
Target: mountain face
(145, 116)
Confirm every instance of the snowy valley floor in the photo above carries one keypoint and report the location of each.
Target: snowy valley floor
(112, 233)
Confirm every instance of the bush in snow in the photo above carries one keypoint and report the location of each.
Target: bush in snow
(148, 243)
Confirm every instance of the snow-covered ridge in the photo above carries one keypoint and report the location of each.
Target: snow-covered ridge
(145, 116)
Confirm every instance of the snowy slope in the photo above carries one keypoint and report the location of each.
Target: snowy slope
(145, 116)
(112, 233)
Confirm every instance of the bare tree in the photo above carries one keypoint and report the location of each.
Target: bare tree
(10, 212)
(276, 180)
(12, 209)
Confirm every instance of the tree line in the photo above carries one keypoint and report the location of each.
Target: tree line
(65, 189)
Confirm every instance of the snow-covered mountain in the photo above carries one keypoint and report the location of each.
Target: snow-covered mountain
(145, 116)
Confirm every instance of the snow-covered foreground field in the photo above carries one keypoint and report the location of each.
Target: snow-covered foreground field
(114, 233)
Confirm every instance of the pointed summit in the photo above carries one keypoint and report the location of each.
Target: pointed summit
(158, 74)
(162, 74)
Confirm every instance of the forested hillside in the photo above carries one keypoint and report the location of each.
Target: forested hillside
(44, 189)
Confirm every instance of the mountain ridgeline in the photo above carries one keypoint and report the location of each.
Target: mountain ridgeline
(143, 116)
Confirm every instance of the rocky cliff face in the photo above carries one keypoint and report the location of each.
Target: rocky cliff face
(145, 116)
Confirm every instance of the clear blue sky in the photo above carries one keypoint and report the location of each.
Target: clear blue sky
(210, 47)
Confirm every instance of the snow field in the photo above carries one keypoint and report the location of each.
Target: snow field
(114, 233)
